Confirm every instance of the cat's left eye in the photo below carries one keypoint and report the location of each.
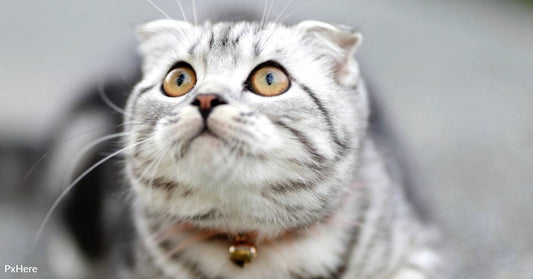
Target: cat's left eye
(179, 81)
(268, 80)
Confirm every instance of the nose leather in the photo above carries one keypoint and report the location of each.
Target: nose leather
(206, 103)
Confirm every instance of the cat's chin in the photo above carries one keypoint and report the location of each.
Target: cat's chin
(205, 143)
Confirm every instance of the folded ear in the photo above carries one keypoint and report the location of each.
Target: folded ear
(159, 34)
(154, 28)
(340, 43)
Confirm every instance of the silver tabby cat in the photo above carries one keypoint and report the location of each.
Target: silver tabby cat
(260, 131)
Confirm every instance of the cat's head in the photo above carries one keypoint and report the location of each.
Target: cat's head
(239, 126)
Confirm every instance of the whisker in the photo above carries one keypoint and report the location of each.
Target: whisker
(283, 11)
(62, 143)
(269, 10)
(299, 8)
(88, 147)
(182, 11)
(264, 24)
(69, 187)
(168, 31)
(194, 12)
(264, 14)
(106, 99)
(275, 21)
(131, 123)
(58, 146)
(159, 9)
(120, 71)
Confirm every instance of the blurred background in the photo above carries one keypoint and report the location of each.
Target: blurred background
(453, 78)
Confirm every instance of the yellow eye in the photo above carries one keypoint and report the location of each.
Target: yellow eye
(179, 81)
(269, 81)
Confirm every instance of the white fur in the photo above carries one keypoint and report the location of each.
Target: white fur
(234, 172)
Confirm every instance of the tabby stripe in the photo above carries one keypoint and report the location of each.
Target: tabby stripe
(388, 251)
(237, 33)
(368, 245)
(225, 36)
(325, 114)
(211, 214)
(211, 40)
(288, 207)
(376, 241)
(292, 186)
(354, 239)
(351, 245)
(317, 157)
(192, 49)
(163, 183)
(141, 92)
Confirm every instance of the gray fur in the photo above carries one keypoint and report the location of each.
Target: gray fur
(301, 162)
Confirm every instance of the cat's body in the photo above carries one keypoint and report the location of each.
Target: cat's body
(296, 172)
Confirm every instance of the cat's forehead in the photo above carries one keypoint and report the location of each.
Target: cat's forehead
(228, 51)
(245, 36)
(227, 45)
(223, 51)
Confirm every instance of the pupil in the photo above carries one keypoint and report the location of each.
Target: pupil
(180, 79)
(269, 78)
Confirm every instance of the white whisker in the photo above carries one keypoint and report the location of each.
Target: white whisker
(182, 11)
(269, 10)
(58, 146)
(168, 31)
(122, 76)
(195, 16)
(106, 99)
(282, 11)
(89, 146)
(266, 19)
(264, 14)
(299, 8)
(71, 185)
(159, 9)
(276, 21)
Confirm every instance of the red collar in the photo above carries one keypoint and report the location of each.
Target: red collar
(242, 246)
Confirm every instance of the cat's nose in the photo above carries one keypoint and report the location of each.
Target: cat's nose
(206, 103)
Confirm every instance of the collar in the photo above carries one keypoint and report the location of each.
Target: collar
(242, 246)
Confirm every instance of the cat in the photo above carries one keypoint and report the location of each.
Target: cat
(247, 154)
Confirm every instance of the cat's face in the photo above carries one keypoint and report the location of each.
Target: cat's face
(241, 127)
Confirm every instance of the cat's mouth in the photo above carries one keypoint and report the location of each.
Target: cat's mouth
(205, 133)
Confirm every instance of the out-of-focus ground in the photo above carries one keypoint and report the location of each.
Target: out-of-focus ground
(455, 79)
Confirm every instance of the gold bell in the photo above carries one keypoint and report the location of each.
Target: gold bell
(242, 253)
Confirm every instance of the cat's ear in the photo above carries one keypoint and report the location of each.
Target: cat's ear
(340, 43)
(155, 28)
(156, 35)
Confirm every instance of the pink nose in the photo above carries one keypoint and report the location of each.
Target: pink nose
(206, 102)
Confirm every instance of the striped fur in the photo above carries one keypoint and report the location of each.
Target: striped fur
(299, 168)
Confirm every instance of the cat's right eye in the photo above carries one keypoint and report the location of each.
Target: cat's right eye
(179, 81)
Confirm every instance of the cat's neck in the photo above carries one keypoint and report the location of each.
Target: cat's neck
(321, 246)
(329, 241)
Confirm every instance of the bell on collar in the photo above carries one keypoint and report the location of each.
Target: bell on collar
(242, 252)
